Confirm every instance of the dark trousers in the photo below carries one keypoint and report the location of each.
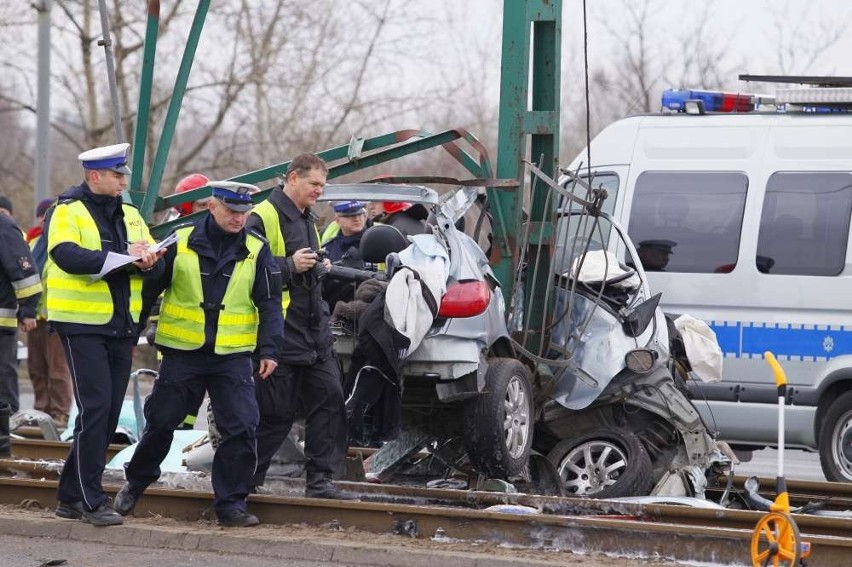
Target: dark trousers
(183, 378)
(317, 391)
(9, 369)
(49, 371)
(100, 369)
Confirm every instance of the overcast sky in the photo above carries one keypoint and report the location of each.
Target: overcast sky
(752, 30)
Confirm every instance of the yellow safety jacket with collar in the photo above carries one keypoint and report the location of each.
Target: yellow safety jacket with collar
(75, 298)
(182, 319)
(272, 228)
(330, 232)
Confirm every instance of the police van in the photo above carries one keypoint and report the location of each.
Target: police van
(740, 207)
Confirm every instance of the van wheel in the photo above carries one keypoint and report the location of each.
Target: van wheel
(498, 424)
(603, 463)
(835, 440)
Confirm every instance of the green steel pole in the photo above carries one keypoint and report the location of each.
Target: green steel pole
(510, 139)
(543, 126)
(529, 118)
(160, 158)
(146, 82)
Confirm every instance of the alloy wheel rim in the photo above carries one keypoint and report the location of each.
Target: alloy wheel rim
(516, 425)
(592, 466)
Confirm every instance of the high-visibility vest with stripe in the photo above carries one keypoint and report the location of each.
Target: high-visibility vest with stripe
(23, 288)
(181, 324)
(332, 230)
(272, 228)
(74, 298)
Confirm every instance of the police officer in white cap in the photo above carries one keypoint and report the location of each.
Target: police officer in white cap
(97, 318)
(222, 302)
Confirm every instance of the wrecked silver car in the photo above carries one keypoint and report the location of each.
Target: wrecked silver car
(615, 422)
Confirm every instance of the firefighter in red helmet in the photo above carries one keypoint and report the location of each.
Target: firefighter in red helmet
(191, 181)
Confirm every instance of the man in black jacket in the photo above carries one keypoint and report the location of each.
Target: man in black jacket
(20, 290)
(222, 302)
(308, 376)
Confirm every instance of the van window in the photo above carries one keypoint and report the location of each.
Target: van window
(688, 221)
(804, 226)
(606, 180)
(576, 234)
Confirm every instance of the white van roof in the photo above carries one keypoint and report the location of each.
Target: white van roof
(685, 141)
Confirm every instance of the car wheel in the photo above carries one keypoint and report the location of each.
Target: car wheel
(835, 440)
(498, 424)
(603, 463)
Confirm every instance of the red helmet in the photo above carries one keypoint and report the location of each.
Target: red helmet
(191, 181)
(392, 207)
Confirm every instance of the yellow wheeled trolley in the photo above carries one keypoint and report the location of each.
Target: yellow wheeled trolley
(776, 540)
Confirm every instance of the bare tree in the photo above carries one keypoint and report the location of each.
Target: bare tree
(271, 77)
(800, 46)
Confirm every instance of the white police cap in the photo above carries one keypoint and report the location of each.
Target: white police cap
(112, 157)
(234, 195)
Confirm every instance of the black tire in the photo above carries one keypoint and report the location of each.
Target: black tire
(835, 440)
(498, 424)
(603, 463)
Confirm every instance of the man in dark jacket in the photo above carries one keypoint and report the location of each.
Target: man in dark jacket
(98, 253)
(20, 290)
(308, 376)
(222, 302)
(343, 248)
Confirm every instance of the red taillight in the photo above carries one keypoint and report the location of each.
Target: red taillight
(465, 299)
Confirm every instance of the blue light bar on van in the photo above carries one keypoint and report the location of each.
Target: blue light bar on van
(714, 101)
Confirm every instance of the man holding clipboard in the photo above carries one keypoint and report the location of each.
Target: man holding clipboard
(94, 304)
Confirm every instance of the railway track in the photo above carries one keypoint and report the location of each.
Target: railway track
(39, 449)
(679, 532)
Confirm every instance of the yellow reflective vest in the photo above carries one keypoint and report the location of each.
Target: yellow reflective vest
(75, 298)
(330, 232)
(181, 324)
(272, 229)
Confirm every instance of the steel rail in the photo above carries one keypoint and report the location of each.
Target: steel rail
(31, 446)
(829, 495)
(685, 534)
(39, 449)
(832, 496)
(29, 431)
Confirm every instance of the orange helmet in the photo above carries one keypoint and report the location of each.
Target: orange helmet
(392, 207)
(191, 181)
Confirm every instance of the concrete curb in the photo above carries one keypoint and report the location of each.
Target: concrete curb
(243, 542)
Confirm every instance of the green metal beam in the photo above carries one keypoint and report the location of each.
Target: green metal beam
(529, 122)
(347, 158)
(146, 82)
(170, 122)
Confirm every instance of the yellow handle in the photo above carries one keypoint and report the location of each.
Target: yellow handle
(780, 377)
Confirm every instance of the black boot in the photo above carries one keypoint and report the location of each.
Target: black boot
(319, 485)
(125, 499)
(5, 444)
(236, 519)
